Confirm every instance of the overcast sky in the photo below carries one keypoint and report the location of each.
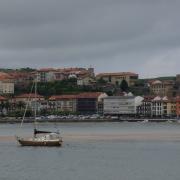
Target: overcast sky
(141, 36)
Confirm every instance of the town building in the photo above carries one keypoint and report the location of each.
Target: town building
(178, 106)
(88, 103)
(85, 81)
(45, 75)
(158, 108)
(28, 97)
(22, 78)
(163, 106)
(3, 109)
(64, 103)
(6, 83)
(51, 74)
(145, 109)
(116, 78)
(6, 87)
(162, 88)
(121, 105)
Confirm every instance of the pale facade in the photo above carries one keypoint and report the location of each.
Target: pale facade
(46, 75)
(119, 105)
(85, 81)
(117, 78)
(162, 88)
(28, 98)
(163, 106)
(64, 103)
(6, 87)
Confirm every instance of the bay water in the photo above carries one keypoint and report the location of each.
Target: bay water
(94, 151)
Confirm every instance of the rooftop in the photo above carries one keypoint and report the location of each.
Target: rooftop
(2, 98)
(29, 95)
(60, 97)
(118, 74)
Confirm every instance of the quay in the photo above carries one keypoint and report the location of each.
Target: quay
(64, 120)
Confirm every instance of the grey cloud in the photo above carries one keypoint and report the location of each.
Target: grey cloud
(116, 35)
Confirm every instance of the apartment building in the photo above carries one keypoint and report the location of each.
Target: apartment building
(64, 103)
(116, 78)
(145, 109)
(51, 74)
(162, 88)
(6, 87)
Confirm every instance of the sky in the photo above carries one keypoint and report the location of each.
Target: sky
(141, 36)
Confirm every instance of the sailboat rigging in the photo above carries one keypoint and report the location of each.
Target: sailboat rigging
(40, 138)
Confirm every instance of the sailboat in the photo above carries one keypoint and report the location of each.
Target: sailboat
(39, 138)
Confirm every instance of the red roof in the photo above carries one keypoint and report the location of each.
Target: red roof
(118, 74)
(46, 70)
(89, 95)
(5, 76)
(148, 98)
(76, 96)
(30, 95)
(2, 98)
(60, 97)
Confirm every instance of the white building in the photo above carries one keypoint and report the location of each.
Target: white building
(6, 87)
(121, 105)
(118, 105)
(45, 75)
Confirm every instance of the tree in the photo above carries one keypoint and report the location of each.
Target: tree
(21, 105)
(124, 86)
(101, 81)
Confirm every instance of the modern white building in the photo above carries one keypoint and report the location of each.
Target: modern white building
(121, 105)
(118, 105)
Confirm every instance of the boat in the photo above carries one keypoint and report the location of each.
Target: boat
(39, 138)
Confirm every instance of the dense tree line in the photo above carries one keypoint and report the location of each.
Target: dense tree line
(47, 89)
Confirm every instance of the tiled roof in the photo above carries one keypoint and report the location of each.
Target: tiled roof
(46, 69)
(30, 95)
(59, 97)
(148, 98)
(118, 74)
(2, 98)
(89, 95)
(5, 76)
(76, 96)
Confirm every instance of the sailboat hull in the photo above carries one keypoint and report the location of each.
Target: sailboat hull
(24, 142)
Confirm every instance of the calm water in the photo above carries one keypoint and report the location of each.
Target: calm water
(90, 159)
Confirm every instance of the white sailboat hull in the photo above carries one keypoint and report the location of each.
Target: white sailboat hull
(39, 142)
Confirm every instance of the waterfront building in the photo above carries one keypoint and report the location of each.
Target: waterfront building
(158, 106)
(171, 107)
(119, 105)
(116, 78)
(145, 109)
(64, 103)
(163, 107)
(28, 97)
(88, 103)
(178, 106)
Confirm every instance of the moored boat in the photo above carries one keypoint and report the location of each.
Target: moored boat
(39, 138)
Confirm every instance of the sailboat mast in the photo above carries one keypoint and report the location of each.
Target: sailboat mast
(35, 102)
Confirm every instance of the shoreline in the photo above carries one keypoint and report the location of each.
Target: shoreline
(12, 120)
